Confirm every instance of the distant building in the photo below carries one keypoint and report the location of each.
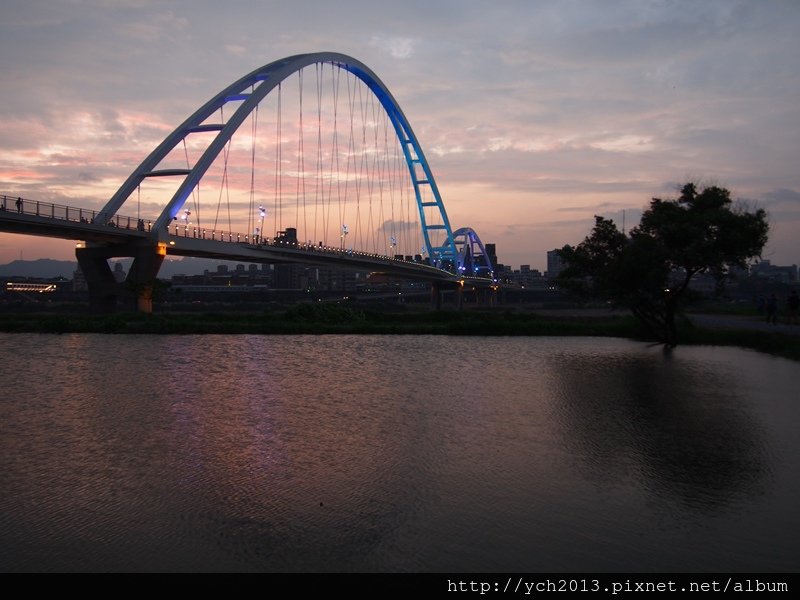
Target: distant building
(554, 264)
(119, 273)
(491, 251)
(29, 287)
(785, 274)
(336, 279)
(79, 281)
(287, 277)
(530, 278)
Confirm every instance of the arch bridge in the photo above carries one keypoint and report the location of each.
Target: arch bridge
(310, 158)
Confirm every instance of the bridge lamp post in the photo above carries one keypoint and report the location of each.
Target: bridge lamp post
(185, 218)
(262, 212)
(345, 231)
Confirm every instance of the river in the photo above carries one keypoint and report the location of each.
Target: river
(394, 453)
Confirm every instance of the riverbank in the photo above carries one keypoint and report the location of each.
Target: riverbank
(322, 319)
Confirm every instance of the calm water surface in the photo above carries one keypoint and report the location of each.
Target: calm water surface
(407, 453)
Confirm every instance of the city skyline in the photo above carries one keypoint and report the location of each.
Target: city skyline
(534, 117)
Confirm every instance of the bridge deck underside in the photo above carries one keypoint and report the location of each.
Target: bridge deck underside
(288, 254)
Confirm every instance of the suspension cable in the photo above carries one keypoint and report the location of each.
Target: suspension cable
(253, 136)
(195, 189)
(278, 174)
(301, 162)
(317, 79)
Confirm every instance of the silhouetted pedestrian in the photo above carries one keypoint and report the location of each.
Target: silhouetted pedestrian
(792, 305)
(772, 309)
(19, 205)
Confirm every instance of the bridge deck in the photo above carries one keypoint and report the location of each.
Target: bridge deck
(124, 233)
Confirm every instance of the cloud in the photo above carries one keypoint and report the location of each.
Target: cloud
(396, 226)
(235, 49)
(154, 27)
(783, 196)
(396, 47)
(592, 207)
(525, 110)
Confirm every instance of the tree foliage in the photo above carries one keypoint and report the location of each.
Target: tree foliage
(649, 270)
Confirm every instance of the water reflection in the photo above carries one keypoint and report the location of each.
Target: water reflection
(397, 453)
(681, 428)
(299, 443)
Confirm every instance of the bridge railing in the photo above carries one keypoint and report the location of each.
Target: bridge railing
(182, 230)
(81, 215)
(69, 213)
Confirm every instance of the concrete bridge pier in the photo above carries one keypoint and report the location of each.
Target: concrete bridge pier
(136, 291)
(103, 288)
(454, 289)
(490, 295)
(142, 276)
(436, 295)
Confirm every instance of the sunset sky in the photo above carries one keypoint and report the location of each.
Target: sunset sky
(534, 115)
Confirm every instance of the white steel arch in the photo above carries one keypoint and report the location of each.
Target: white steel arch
(250, 90)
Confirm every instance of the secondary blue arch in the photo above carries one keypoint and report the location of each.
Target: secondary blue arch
(472, 257)
(250, 90)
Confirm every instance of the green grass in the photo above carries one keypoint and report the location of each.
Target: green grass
(778, 344)
(324, 318)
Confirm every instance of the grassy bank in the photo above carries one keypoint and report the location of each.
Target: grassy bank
(337, 319)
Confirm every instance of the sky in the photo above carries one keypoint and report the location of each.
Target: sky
(534, 115)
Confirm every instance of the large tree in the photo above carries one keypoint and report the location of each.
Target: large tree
(648, 271)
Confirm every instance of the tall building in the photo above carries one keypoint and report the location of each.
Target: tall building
(491, 251)
(554, 264)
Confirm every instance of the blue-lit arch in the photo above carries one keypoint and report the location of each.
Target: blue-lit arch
(472, 257)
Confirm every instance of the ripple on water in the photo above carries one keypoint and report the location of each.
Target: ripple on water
(394, 453)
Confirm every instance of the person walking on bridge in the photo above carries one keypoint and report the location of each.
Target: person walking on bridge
(19, 205)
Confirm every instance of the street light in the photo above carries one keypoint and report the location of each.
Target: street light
(262, 212)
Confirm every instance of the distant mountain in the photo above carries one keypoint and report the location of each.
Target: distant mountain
(47, 267)
(44, 267)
